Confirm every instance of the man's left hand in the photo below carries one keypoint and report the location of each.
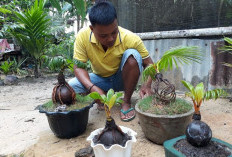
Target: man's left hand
(145, 91)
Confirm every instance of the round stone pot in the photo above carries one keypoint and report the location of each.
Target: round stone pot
(159, 128)
(115, 150)
(68, 124)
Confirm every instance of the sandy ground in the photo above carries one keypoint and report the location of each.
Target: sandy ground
(23, 130)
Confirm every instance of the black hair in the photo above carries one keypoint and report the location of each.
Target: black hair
(102, 13)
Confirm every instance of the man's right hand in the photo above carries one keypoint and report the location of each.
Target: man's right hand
(97, 89)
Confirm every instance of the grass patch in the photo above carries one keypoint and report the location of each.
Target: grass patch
(180, 106)
(81, 101)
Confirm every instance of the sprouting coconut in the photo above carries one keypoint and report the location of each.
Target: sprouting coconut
(199, 133)
(62, 94)
(111, 134)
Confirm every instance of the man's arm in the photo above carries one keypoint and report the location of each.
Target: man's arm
(145, 89)
(83, 76)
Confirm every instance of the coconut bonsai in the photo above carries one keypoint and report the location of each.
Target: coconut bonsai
(68, 112)
(112, 134)
(159, 127)
(199, 133)
(198, 140)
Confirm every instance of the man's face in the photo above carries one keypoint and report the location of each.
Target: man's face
(106, 35)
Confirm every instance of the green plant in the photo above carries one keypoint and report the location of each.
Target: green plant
(111, 134)
(109, 100)
(16, 67)
(81, 101)
(76, 8)
(198, 94)
(32, 31)
(171, 58)
(62, 92)
(228, 49)
(179, 106)
(64, 48)
(5, 66)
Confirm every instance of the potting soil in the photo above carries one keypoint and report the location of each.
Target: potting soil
(213, 149)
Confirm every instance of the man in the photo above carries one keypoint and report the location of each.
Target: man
(117, 57)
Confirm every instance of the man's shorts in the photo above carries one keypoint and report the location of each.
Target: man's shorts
(105, 83)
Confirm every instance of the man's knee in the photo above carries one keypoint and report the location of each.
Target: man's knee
(132, 58)
(77, 86)
(131, 61)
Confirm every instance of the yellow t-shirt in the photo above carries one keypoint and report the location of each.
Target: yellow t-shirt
(105, 64)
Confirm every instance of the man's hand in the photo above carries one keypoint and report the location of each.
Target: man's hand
(100, 105)
(145, 91)
(97, 89)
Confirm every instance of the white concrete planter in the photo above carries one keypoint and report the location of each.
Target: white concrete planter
(115, 150)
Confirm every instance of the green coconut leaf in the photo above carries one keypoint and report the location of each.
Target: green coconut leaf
(173, 58)
(112, 101)
(95, 95)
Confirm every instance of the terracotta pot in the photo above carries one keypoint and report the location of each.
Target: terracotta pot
(159, 128)
(68, 124)
(115, 150)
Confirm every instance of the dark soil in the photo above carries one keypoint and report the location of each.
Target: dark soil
(213, 149)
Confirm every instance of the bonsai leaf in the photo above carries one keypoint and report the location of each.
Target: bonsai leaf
(96, 96)
(188, 86)
(181, 55)
(112, 101)
(229, 40)
(110, 93)
(79, 64)
(119, 100)
(189, 94)
(199, 93)
(150, 70)
(227, 64)
(119, 95)
(104, 98)
(227, 48)
(172, 58)
(214, 94)
(57, 63)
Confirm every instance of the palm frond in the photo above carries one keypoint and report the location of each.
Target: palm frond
(56, 4)
(227, 64)
(188, 86)
(227, 48)
(150, 70)
(179, 55)
(214, 94)
(172, 58)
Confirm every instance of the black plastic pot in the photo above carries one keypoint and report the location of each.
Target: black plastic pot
(68, 124)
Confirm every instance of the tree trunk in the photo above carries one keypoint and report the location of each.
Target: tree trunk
(36, 70)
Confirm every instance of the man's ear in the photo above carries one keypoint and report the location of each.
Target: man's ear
(91, 27)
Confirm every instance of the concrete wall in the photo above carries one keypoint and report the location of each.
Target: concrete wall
(210, 71)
